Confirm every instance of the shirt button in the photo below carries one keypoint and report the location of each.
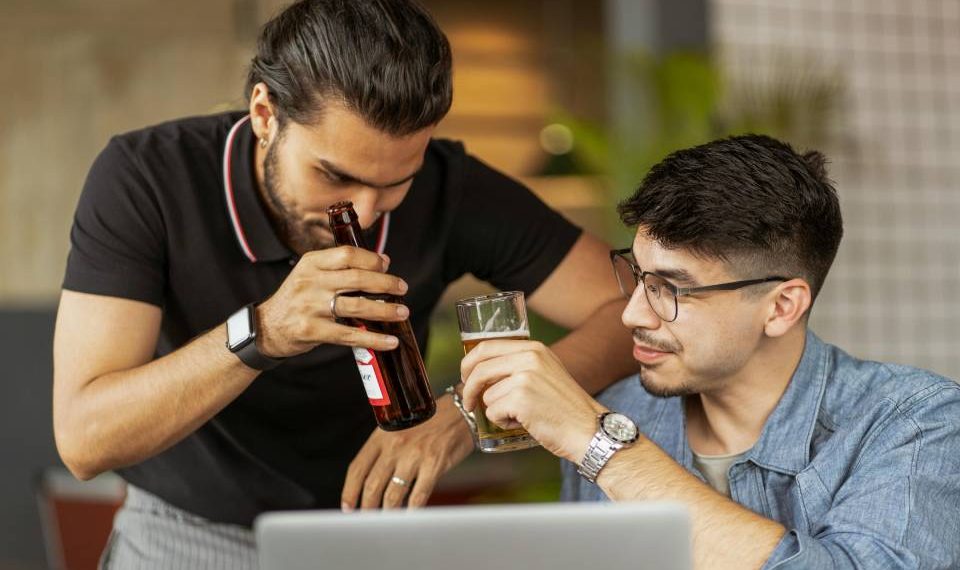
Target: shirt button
(293, 261)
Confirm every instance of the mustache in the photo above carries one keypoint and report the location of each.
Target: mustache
(641, 336)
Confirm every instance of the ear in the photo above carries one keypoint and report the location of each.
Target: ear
(790, 302)
(263, 117)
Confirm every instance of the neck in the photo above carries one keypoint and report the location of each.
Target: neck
(731, 419)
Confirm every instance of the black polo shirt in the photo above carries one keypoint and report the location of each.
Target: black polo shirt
(170, 216)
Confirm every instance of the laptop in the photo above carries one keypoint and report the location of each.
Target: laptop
(554, 536)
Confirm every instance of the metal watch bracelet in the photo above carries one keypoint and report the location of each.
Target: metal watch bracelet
(599, 452)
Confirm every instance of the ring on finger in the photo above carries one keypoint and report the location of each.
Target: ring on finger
(333, 305)
(399, 481)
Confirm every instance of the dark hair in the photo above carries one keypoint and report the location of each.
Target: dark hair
(387, 60)
(750, 201)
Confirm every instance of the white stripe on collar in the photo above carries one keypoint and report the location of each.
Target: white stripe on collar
(228, 189)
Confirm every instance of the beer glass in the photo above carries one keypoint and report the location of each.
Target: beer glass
(497, 316)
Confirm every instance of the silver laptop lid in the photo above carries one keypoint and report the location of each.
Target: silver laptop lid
(576, 536)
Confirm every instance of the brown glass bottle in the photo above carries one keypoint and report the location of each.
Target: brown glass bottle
(395, 380)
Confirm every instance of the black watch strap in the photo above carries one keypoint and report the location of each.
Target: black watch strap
(249, 353)
(252, 357)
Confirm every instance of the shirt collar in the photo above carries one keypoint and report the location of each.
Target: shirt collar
(255, 235)
(784, 444)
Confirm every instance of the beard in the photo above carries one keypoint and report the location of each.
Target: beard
(659, 391)
(299, 235)
(648, 371)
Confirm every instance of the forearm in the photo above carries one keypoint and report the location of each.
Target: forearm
(725, 534)
(124, 417)
(598, 352)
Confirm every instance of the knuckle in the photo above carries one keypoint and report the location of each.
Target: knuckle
(342, 254)
(350, 277)
(300, 284)
(347, 305)
(417, 499)
(303, 327)
(351, 336)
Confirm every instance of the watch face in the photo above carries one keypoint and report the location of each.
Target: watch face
(620, 428)
(238, 329)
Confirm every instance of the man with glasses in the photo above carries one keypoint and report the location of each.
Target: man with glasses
(788, 452)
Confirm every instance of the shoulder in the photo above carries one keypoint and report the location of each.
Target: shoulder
(445, 149)
(858, 389)
(168, 144)
(452, 158)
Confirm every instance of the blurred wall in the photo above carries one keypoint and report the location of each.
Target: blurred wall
(891, 294)
(76, 72)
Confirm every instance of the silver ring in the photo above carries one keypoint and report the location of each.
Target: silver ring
(398, 481)
(333, 305)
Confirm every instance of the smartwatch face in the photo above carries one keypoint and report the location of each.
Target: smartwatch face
(620, 428)
(239, 329)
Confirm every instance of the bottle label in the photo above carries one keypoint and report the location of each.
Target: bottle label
(372, 376)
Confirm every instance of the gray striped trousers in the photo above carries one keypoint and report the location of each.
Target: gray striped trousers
(150, 534)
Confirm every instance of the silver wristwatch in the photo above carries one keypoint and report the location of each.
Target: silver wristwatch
(614, 432)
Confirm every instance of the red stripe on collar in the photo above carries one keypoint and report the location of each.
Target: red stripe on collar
(228, 189)
(384, 230)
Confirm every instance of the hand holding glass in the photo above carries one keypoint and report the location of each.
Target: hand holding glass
(501, 316)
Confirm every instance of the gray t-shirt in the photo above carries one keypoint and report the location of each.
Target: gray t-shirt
(715, 468)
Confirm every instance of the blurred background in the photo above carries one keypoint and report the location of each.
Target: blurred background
(578, 98)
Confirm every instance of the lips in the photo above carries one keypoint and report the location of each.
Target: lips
(647, 355)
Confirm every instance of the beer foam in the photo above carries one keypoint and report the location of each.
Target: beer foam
(466, 337)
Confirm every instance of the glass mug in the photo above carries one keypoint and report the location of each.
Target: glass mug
(497, 316)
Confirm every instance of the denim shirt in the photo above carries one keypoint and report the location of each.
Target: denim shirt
(860, 461)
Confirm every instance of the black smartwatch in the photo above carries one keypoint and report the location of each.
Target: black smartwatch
(242, 339)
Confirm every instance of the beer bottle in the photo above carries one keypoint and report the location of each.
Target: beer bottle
(395, 380)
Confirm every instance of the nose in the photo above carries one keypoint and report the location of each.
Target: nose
(638, 312)
(365, 204)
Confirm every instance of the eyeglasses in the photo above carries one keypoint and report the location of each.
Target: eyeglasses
(661, 294)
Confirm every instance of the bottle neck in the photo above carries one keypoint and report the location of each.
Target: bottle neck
(345, 225)
(348, 234)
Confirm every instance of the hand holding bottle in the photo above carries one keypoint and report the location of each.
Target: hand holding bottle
(298, 316)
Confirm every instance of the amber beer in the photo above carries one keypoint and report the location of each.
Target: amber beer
(395, 380)
(492, 437)
(500, 316)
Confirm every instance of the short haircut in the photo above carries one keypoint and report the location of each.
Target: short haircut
(751, 201)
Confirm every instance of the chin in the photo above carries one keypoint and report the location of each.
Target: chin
(659, 389)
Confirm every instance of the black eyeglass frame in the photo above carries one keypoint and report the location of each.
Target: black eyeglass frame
(639, 276)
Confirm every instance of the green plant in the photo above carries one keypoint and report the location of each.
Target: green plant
(683, 99)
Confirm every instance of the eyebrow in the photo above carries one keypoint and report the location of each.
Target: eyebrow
(336, 171)
(678, 276)
(674, 275)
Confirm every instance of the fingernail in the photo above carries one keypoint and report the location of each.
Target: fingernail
(392, 342)
(403, 286)
(386, 261)
(403, 312)
(345, 507)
